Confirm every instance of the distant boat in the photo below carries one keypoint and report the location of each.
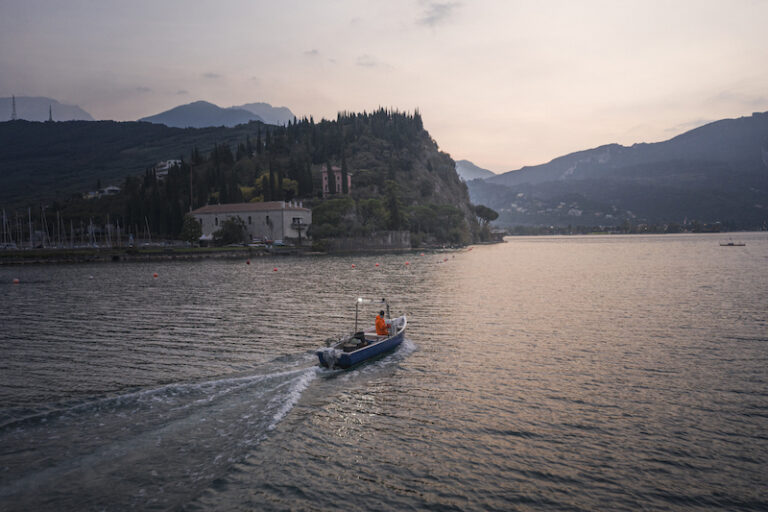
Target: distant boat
(732, 244)
(361, 346)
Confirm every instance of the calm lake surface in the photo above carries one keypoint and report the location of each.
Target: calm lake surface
(546, 373)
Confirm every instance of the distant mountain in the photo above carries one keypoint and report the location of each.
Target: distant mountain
(37, 109)
(270, 114)
(201, 114)
(468, 171)
(715, 173)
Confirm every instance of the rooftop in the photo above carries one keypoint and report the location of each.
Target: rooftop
(248, 207)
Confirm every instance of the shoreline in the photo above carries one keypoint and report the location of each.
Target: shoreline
(94, 255)
(59, 256)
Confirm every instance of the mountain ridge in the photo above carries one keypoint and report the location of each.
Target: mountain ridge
(468, 171)
(36, 108)
(270, 114)
(686, 146)
(714, 173)
(201, 114)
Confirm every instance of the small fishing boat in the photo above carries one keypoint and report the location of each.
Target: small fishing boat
(731, 243)
(363, 345)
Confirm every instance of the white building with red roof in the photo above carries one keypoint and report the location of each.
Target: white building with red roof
(273, 220)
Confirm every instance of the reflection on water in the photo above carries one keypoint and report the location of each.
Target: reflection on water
(544, 373)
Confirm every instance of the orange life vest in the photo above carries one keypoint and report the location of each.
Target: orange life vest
(381, 326)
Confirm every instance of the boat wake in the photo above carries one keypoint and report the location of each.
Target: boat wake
(148, 448)
(154, 448)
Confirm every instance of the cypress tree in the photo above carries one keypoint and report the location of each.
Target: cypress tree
(269, 196)
(344, 184)
(395, 220)
(305, 184)
(331, 181)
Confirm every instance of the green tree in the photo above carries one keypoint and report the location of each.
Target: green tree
(191, 229)
(485, 214)
(373, 214)
(334, 217)
(232, 231)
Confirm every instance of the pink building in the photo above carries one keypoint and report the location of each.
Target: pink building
(333, 184)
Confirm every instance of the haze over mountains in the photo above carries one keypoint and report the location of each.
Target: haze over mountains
(468, 171)
(270, 114)
(37, 109)
(715, 173)
(201, 114)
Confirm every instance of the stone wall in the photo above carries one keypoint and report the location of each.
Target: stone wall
(379, 241)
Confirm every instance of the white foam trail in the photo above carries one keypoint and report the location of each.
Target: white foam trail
(213, 389)
(297, 387)
(331, 355)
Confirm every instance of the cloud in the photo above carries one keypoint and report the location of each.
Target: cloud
(437, 13)
(211, 76)
(182, 92)
(143, 90)
(312, 53)
(690, 125)
(368, 61)
(747, 100)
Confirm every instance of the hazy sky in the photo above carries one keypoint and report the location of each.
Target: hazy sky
(501, 83)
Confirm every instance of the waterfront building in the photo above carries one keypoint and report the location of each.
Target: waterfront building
(271, 221)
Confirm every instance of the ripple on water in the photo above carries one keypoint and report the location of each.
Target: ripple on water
(578, 373)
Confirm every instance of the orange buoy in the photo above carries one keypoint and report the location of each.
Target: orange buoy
(377, 264)
(407, 262)
(247, 262)
(274, 269)
(154, 275)
(422, 254)
(16, 280)
(353, 265)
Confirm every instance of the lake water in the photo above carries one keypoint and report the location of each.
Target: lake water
(546, 373)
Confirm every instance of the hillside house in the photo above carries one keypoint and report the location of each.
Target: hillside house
(332, 183)
(162, 168)
(111, 190)
(275, 220)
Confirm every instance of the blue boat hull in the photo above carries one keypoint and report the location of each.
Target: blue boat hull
(372, 351)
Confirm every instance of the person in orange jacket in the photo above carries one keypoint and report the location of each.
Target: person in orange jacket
(381, 325)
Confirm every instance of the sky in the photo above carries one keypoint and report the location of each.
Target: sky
(502, 83)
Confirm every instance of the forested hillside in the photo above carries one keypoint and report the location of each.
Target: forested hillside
(43, 162)
(400, 179)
